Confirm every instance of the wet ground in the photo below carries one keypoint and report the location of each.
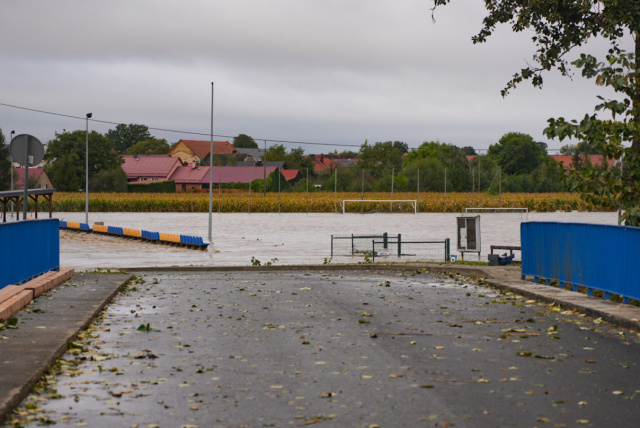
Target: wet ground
(338, 348)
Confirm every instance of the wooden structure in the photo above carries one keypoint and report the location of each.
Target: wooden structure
(16, 196)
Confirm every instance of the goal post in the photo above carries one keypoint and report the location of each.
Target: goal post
(496, 210)
(398, 204)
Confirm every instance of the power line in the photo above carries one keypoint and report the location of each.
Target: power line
(306, 143)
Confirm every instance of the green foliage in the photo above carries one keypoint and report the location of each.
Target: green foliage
(152, 146)
(615, 188)
(294, 159)
(244, 141)
(66, 156)
(431, 160)
(111, 180)
(382, 158)
(517, 153)
(558, 27)
(5, 164)
(157, 187)
(125, 136)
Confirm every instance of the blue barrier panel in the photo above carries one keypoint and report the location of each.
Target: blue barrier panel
(63, 223)
(85, 226)
(115, 230)
(29, 248)
(596, 256)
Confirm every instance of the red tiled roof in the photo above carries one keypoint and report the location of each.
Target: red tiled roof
(290, 174)
(321, 162)
(188, 174)
(238, 174)
(201, 148)
(567, 160)
(149, 166)
(34, 173)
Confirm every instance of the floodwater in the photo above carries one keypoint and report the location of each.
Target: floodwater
(289, 238)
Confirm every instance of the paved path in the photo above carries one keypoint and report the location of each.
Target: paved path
(340, 348)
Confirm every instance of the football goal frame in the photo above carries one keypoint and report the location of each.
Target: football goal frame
(497, 210)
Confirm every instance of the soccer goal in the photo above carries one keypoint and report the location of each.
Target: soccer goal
(380, 205)
(479, 210)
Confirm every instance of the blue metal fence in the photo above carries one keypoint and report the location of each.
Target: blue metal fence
(28, 249)
(595, 256)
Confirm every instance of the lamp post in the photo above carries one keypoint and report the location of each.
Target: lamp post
(211, 173)
(11, 159)
(86, 170)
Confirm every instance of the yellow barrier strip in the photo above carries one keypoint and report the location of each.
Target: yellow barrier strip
(100, 228)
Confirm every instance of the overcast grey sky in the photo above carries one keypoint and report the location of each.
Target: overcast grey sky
(320, 71)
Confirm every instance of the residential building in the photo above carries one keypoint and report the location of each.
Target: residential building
(38, 179)
(197, 151)
(150, 168)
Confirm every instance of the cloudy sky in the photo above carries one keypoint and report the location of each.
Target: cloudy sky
(329, 72)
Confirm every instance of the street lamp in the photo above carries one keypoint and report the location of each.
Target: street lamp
(11, 159)
(86, 170)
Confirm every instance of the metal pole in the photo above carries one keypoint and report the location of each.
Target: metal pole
(211, 172)
(264, 168)
(393, 170)
(418, 203)
(86, 170)
(335, 191)
(11, 159)
(26, 177)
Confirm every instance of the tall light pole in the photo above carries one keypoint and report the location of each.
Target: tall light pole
(86, 170)
(11, 159)
(211, 173)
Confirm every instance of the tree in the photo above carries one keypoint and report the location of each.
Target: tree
(381, 158)
(616, 188)
(431, 159)
(112, 180)
(125, 136)
(558, 28)
(582, 148)
(245, 142)
(153, 146)
(517, 153)
(66, 158)
(5, 164)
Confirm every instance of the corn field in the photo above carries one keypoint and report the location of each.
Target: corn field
(317, 202)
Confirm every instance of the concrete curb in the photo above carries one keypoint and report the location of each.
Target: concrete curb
(26, 353)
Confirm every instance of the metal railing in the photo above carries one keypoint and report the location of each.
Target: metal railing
(593, 256)
(438, 250)
(384, 244)
(29, 248)
(352, 245)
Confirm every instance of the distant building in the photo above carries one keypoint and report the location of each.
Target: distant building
(567, 160)
(149, 168)
(38, 179)
(251, 155)
(197, 151)
(193, 178)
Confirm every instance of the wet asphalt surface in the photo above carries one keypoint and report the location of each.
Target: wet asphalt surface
(347, 349)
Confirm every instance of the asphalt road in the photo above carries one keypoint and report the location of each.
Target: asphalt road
(347, 349)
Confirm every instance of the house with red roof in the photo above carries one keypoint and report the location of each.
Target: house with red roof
(149, 168)
(193, 178)
(596, 160)
(38, 179)
(197, 151)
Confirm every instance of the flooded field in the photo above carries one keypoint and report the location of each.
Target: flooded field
(289, 238)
